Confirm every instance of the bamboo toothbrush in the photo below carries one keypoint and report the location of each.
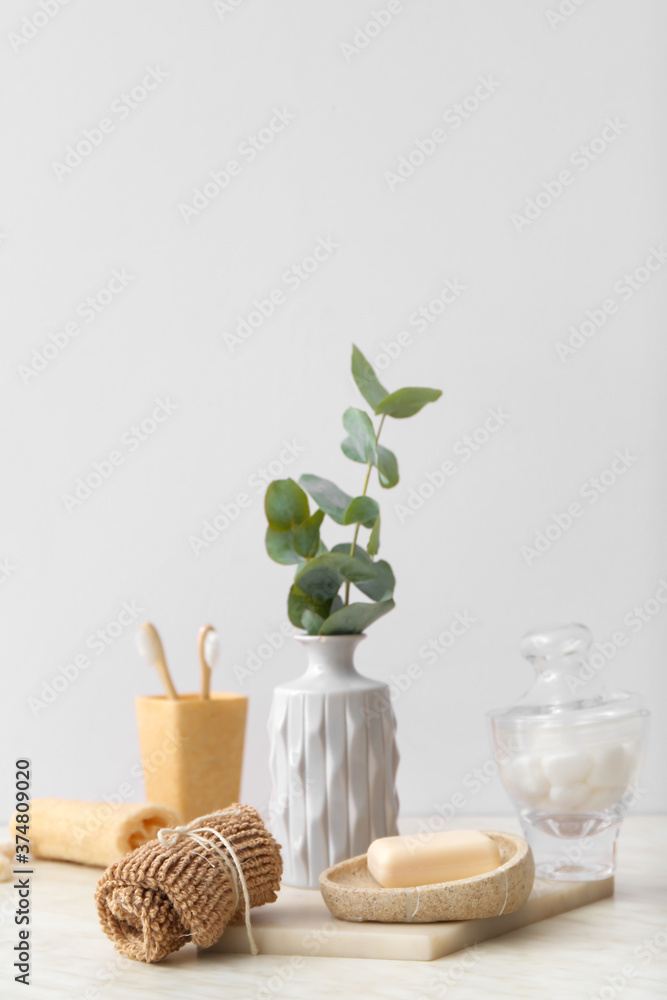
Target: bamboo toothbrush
(150, 647)
(208, 644)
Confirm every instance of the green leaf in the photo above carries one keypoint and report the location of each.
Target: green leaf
(280, 546)
(387, 467)
(366, 379)
(286, 505)
(360, 444)
(382, 587)
(359, 552)
(327, 495)
(311, 622)
(307, 535)
(298, 602)
(374, 540)
(407, 402)
(354, 618)
(323, 576)
(362, 510)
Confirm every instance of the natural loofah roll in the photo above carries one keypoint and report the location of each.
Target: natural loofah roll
(161, 897)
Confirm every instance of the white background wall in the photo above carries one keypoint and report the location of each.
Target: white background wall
(162, 336)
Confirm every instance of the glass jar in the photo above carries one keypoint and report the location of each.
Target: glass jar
(569, 755)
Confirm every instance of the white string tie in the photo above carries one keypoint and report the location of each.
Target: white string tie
(169, 836)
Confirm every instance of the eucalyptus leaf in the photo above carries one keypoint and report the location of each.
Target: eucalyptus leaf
(286, 505)
(382, 587)
(307, 535)
(359, 552)
(362, 510)
(360, 444)
(374, 540)
(406, 402)
(323, 576)
(280, 546)
(298, 602)
(387, 467)
(311, 622)
(327, 495)
(354, 618)
(366, 379)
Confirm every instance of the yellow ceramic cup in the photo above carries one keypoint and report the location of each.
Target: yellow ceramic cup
(192, 750)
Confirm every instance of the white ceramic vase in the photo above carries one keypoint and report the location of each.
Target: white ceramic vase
(333, 761)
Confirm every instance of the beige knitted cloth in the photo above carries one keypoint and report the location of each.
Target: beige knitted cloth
(157, 899)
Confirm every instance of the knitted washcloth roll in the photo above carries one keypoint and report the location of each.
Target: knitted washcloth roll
(159, 898)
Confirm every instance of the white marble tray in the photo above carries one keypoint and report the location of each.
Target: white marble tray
(299, 923)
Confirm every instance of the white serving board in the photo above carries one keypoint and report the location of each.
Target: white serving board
(299, 923)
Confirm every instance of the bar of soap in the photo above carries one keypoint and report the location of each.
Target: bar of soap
(403, 862)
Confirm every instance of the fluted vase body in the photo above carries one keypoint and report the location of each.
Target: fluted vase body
(333, 761)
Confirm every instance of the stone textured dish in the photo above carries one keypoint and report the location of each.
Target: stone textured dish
(351, 893)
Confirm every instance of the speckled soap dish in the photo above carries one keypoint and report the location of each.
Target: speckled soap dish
(351, 893)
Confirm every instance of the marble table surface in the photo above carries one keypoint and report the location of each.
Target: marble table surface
(615, 948)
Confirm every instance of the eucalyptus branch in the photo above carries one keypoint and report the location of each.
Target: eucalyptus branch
(293, 533)
(363, 493)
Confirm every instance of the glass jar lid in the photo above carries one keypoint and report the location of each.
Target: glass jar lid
(568, 688)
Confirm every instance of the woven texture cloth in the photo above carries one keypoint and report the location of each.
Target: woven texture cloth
(157, 899)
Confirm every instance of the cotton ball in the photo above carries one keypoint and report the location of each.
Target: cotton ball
(634, 752)
(567, 768)
(526, 775)
(603, 798)
(611, 768)
(569, 796)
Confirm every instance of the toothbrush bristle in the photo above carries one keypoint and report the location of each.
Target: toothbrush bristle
(147, 646)
(211, 648)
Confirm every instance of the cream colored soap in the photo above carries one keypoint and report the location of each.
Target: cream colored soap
(402, 862)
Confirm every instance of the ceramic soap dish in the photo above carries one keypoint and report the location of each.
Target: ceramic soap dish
(351, 893)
